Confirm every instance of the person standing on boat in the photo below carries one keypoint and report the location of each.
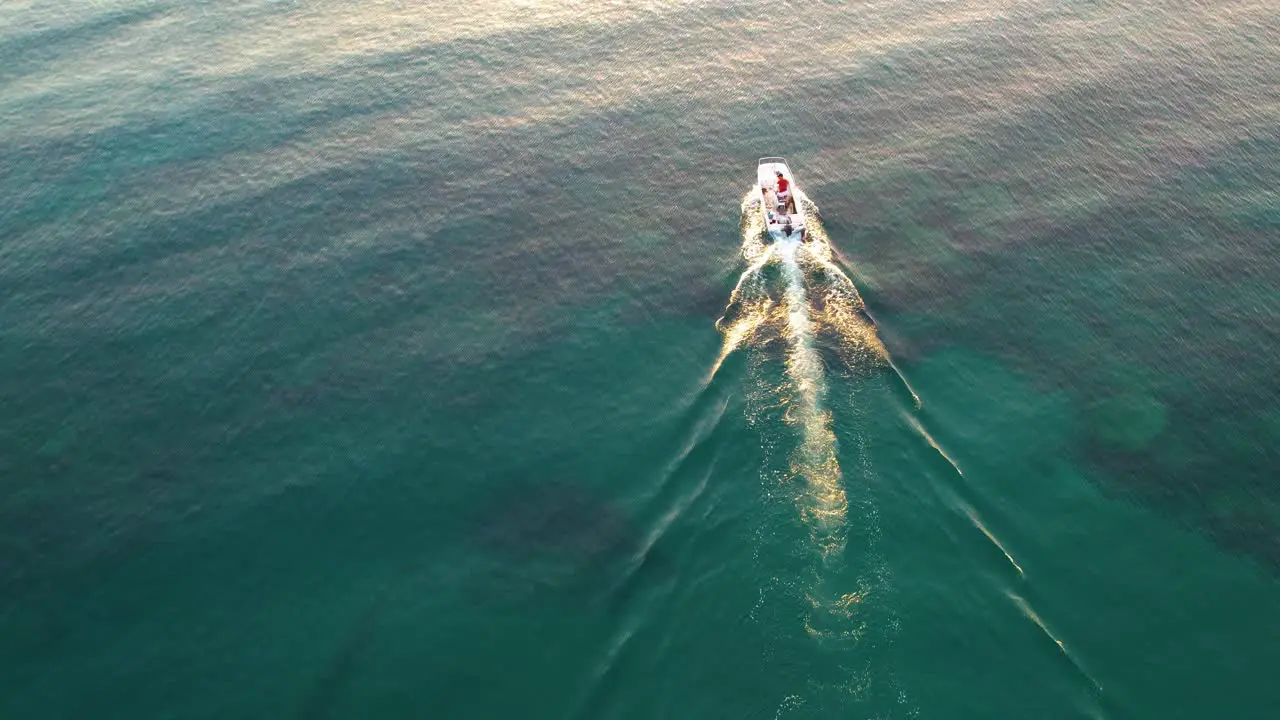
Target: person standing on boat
(784, 192)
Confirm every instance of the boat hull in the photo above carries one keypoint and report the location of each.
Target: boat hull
(782, 214)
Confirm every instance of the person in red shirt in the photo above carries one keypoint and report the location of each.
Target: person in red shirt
(784, 193)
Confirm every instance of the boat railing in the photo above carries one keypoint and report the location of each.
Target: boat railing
(772, 160)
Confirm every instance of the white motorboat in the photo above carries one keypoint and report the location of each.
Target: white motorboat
(783, 216)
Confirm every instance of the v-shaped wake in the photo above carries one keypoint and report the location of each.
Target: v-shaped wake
(792, 290)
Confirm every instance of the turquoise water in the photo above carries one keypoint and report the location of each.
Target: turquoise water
(391, 359)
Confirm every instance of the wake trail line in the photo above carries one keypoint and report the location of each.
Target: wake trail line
(793, 291)
(800, 320)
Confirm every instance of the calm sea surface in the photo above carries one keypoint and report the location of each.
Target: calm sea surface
(395, 359)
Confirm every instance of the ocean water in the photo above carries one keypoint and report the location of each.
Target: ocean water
(410, 359)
